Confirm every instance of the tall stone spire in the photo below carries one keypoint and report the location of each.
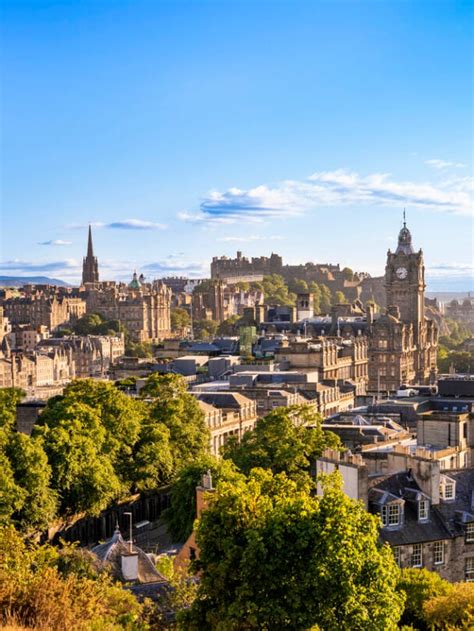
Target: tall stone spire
(90, 266)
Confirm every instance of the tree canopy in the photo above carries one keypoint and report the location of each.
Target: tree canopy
(180, 320)
(275, 556)
(282, 441)
(171, 404)
(181, 514)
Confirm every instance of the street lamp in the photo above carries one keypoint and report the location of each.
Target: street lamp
(130, 541)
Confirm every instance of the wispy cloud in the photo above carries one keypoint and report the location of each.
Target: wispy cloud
(451, 269)
(326, 189)
(55, 242)
(444, 164)
(125, 224)
(252, 237)
(21, 266)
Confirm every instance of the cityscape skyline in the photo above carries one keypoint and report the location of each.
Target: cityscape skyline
(119, 117)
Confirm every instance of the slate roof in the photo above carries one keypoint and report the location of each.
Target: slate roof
(403, 486)
(231, 400)
(110, 553)
(461, 509)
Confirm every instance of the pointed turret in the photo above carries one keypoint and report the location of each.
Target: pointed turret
(90, 266)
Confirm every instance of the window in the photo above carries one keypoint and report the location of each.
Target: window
(469, 570)
(390, 514)
(417, 555)
(383, 344)
(438, 552)
(447, 488)
(393, 514)
(423, 506)
(397, 555)
(470, 533)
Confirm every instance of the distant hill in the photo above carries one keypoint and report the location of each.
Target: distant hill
(18, 281)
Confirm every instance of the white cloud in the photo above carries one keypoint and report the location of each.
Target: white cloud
(451, 270)
(326, 189)
(444, 164)
(125, 224)
(55, 242)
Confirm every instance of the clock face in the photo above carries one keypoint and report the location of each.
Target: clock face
(402, 272)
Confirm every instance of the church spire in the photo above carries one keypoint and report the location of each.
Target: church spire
(90, 250)
(90, 266)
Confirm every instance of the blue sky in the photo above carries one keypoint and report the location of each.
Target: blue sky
(184, 130)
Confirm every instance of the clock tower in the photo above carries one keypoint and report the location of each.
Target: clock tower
(405, 282)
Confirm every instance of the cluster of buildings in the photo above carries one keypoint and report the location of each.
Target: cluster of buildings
(421, 486)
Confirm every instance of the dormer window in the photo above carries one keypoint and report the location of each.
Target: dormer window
(447, 488)
(423, 510)
(391, 515)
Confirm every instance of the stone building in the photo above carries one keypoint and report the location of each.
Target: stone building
(403, 342)
(143, 308)
(426, 515)
(43, 306)
(239, 414)
(335, 358)
(240, 268)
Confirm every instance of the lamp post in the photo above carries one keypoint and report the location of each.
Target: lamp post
(130, 541)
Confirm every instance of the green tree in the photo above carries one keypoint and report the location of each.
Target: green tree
(274, 556)
(326, 298)
(181, 514)
(139, 349)
(118, 415)
(276, 291)
(152, 464)
(243, 285)
(281, 441)
(42, 588)
(12, 496)
(228, 327)
(88, 324)
(180, 320)
(32, 473)
(83, 474)
(348, 273)
(205, 329)
(9, 399)
(419, 586)
(454, 610)
(339, 298)
(298, 286)
(173, 406)
(316, 291)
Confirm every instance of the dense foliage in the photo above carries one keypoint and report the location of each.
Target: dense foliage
(451, 351)
(275, 556)
(204, 329)
(282, 441)
(93, 445)
(433, 603)
(180, 320)
(279, 292)
(96, 324)
(182, 512)
(42, 587)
